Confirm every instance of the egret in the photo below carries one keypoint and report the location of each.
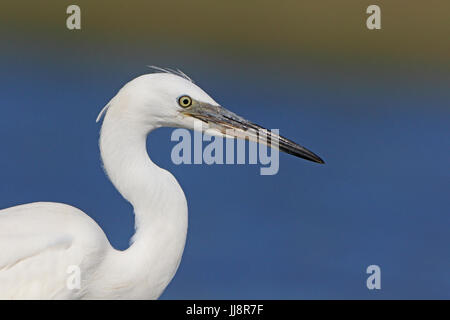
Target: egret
(42, 243)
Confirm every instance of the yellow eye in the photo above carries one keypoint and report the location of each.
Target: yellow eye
(185, 101)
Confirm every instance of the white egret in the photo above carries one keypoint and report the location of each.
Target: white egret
(45, 246)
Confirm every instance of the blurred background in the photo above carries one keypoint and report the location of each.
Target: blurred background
(374, 104)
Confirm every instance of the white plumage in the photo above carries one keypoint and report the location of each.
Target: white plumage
(40, 242)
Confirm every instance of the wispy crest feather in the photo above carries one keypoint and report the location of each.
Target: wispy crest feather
(176, 72)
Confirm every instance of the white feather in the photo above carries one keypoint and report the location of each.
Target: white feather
(40, 241)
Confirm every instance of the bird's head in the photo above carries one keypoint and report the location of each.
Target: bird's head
(171, 99)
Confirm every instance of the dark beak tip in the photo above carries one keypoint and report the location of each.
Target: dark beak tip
(308, 155)
(320, 161)
(316, 159)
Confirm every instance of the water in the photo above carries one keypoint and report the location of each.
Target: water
(308, 232)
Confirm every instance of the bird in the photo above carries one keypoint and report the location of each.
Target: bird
(55, 251)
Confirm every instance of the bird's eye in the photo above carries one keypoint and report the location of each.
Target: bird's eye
(185, 101)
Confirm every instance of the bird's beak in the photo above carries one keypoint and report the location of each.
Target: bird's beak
(228, 124)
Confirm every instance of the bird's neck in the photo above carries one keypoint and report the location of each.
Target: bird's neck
(159, 205)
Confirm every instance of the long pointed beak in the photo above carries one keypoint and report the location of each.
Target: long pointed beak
(231, 125)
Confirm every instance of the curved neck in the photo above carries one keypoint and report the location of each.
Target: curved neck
(159, 205)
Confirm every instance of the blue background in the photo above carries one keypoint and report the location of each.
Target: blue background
(308, 232)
